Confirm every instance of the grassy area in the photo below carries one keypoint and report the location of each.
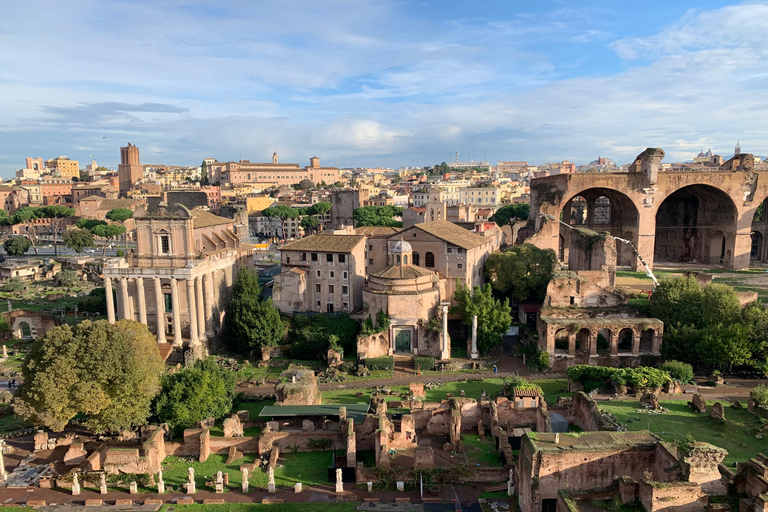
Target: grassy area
(553, 388)
(480, 452)
(310, 468)
(11, 423)
(737, 435)
(242, 507)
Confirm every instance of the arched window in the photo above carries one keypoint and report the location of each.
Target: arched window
(429, 260)
(415, 257)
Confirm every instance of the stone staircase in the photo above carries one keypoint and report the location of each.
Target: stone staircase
(403, 365)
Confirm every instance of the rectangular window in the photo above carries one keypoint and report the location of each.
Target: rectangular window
(303, 256)
(318, 303)
(345, 290)
(370, 247)
(165, 244)
(317, 288)
(342, 258)
(331, 274)
(460, 250)
(461, 266)
(370, 261)
(346, 306)
(344, 275)
(330, 289)
(450, 250)
(168, 303)
(314, 256)
(329, 257)
(319, 274)
(288, 259)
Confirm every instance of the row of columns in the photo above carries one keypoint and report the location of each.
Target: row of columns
(200, 296)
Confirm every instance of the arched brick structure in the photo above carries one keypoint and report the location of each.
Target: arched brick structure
(647, 188)
(38, 323)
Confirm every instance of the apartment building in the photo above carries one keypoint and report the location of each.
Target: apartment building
(480, 196)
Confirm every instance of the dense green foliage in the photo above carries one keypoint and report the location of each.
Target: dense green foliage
(380, 363)
(309, 336)
(681, 372)
(538, 361)
(521, 272)
(382, 323)
(760, 395)
(493, 316)
(251, 323)
(119, 214)
(107, 232)
(95, 301)
(378, 216)
(705, 325)
(67, 278)
(424, 363)
(511, 212)
(193, 394)
(110, 372)
(78, 239)
(14, 284)
(16, 245)
(593, 377)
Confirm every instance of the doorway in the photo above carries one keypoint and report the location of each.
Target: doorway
(403, 340)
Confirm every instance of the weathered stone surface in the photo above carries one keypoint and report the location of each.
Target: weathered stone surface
(650, 400)
(697, 404)
(233, 427)
(423, 458)
(417, 389)
(234, 455)
(717, 411)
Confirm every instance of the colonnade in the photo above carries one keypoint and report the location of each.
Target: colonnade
(200, 297)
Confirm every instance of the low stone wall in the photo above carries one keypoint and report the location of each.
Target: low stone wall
(477, 475)
(287, 440)
(672, 496)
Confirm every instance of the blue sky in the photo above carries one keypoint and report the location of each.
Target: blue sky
(380, 83)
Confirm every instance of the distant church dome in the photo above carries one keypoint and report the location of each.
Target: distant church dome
(400, 247)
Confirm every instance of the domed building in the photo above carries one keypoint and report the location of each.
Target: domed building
(411, 296)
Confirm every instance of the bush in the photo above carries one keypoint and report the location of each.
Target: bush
(14, 284)
(309, 336)
(120, 253)
(424, 363)
(67, 278)
(681, 372)
(380, 363)
(95, 301)
(538, 361)
(760, 395)
(593, 377)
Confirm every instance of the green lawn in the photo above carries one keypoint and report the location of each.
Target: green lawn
(737, 435)
(249, 507)
(310, 468)
(480, 452)
(12, 423)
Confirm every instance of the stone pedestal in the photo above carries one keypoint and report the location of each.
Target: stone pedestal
(370, 486)
(103, 484)
(134, 488)
(271, 488)
(297, 488)
(474, 354)
(245, 480)
(401, 486)
(75, 486)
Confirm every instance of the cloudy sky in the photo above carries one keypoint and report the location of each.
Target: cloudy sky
(380, 83)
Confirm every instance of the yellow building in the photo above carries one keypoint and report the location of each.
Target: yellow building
(258, 203)
(65, 167)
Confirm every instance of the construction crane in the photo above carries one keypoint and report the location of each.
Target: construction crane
(648, 270)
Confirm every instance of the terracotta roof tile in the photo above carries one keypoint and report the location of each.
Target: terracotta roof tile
(452, 233)
(205, 219)
(402, 272)
(325, 243)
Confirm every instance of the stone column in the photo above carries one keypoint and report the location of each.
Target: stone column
(160, 302)
(613, 342)
(126, 309)
(474, 354)
(177, 341)
(192, 312)
(142, 300)
(199, 301)
(636, 344)
(571, 344)
(3, 472)
(446, 349)
(593, 343)
(210, 297)
(110, 300)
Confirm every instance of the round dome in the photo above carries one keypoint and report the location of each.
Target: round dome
(401, 246)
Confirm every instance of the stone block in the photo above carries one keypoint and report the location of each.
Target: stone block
(185, 501)
(125, 501)
(417, 389)
(75, 454)
(213, 501)
(400, 485)
(297, 488)
(233, 427)
(41, 440)
(308, 426)
(697, 404)
(36, 503)
(717, 411)
(274, 426)
(244, 415)
(94, 502)
(234, 455)
(153, 501)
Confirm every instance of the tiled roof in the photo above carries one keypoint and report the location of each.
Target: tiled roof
(376, 230)
(452, 233)
(532, 392)
(402, 272)
(325, 243)
(205, 219)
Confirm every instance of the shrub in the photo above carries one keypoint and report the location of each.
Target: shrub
(14, 284)
(424, 363)
(681, 372)
(522, 383)
(760, 395)
(593, 377)
(539, 361)
(95, 301)
(120, 253)
(380, 363)
(67, 278)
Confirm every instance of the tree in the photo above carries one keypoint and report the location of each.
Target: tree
(321, 209)
(280, 212)
(26, 215)
(521, 272)
(56, 214)
(120, 215)
(378, 216)
(95, 301)
(107, 232)
(510, 213)
(677, 301)
(493, 316)
(724, 346)
(719, 304)
(755, 320)
(194, 394)
(251, 323)
(16, 245)
(14, 284)
(78, 239)
(310, 223)
(109, 372)
(67, 278)
(306, 184)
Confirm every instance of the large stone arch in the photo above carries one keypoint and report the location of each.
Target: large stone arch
(601, 209)
(696, 223)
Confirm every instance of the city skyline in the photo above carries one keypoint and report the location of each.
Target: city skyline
(380, 83)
